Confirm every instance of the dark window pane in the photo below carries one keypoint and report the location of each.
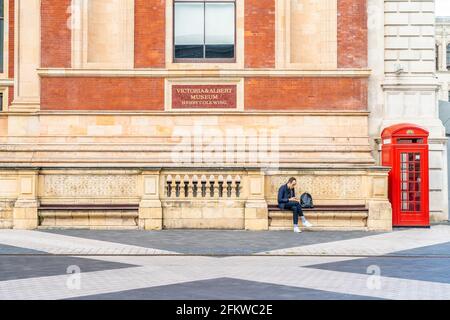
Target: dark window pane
(220, 51)
(448, 56)
(189, 51)
(437, 57)
(1, 101)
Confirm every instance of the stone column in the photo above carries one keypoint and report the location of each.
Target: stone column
(256, 211)
(150, 209)
(380, 210)
(25, 212)
(443, 47)
(27, 55)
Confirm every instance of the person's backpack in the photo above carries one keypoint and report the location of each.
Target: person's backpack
(306, 201)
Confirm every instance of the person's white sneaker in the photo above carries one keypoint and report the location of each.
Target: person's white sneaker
(297, 230)
(307, 224)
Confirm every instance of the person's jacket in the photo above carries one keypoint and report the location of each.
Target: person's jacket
(284, 194)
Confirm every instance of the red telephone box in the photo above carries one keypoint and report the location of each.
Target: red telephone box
(405, 150)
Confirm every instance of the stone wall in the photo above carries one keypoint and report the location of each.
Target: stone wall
(180, 139)
(155, 199)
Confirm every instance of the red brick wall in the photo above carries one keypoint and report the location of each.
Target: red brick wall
(102, 93)
(55, 34)
(10, 95)
(150, 33)
(352, 34)
(11, 19)
(11, 27)
(306, 93)
(259, 33)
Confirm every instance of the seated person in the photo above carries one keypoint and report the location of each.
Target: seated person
(288, 201)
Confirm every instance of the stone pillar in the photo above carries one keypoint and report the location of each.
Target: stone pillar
(443, 53)
(25, 212)
(380, 210)
(27, 55)
(256, 211)
(150, 209)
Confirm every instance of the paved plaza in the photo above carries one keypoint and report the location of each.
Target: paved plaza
(195, 264)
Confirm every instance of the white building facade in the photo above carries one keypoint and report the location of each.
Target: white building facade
(443, 56)
(404, 87)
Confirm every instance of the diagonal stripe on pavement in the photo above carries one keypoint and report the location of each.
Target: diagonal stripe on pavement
(67, 245)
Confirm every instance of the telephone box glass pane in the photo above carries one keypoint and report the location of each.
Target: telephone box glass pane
(410, 181)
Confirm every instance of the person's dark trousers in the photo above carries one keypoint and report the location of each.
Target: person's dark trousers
(296, 208)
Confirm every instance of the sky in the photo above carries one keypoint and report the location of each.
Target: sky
(443, 7)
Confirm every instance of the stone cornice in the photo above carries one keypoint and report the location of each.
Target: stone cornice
(192, 73)
(343, 113)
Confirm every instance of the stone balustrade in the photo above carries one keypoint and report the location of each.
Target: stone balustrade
(156, 198)
(195, 186)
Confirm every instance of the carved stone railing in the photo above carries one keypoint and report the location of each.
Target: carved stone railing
(217, 198)
(209, 198)
(211, 186)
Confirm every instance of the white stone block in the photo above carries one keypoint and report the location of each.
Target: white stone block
(427, 30)
(390, 6)
(396, 43)
(422, 66)
(391, 31)
(436, 179)
(422, 43)
(409, 6)
(409, 55)
(436, 202)
(409, 30)
(435, 160)
(428, 6)
(395, 19)
(427, 55)
(423, 18)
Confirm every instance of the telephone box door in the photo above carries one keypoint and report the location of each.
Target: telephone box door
(412, 187)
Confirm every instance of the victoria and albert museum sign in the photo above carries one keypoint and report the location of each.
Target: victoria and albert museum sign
(203, 96)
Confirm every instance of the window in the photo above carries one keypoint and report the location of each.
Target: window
(204, 31)
(437, 57)
(448, 57)
(2, 31)
(1, 101)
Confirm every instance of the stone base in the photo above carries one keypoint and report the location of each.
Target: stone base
(150, 215)
(6, 214)
(88, 219)
(380, 216)
(203, 214)
(282, 220)
(25, 215)
(256, 215)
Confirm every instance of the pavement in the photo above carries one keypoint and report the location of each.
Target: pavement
(238, 265)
